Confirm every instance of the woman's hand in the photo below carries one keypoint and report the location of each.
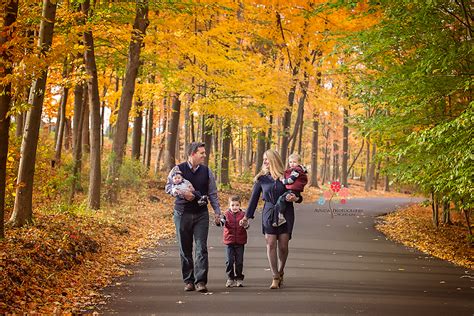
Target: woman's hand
(291, 197)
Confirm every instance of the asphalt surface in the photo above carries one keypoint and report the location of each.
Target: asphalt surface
(338, 265)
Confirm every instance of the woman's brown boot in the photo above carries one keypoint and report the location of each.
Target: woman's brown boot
(281, 278)
(275, 283)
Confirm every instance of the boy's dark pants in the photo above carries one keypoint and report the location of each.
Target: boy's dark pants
(235, 261)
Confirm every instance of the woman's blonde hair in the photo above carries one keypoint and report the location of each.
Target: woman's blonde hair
(276, 168)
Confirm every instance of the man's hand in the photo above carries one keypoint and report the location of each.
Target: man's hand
(187, 195)
(217, 219)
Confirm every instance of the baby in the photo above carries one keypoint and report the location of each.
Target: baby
(180, 185)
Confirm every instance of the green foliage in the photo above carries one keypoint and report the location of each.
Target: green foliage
(132, 173)
(418, 89)
(77, 209)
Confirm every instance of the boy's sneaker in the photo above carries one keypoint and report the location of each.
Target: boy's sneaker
(230, 283)
(281, 219)
(201, 287)
(239, 283)
(202, 201)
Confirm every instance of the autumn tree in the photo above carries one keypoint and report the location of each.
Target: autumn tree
(121, 128)
(23, 211)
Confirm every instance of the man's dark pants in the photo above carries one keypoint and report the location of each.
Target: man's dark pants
(193, 227)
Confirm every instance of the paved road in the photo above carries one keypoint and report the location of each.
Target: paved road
(336, 266)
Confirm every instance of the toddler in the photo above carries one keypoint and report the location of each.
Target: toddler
(235, 237)
(295, 179)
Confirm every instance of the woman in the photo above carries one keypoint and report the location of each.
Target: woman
(267, 183)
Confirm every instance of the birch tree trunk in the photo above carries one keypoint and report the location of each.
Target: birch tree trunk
(23, 212)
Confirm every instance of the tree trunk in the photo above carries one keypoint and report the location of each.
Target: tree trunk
(187, 127)
(102, 116)
(149, 139)
(120, 138)
(161, 146)
(20, 124)
(170, 155)
(269, 142)
(23, 211)
(285, 137)
(300, 139)
(387, 180)
(94, 115)
(377, 175)
(145, 141)
(57, 125)
(207, 136)
(335, 164)
(314, 152)
(351, 167)
(345, 149)
(248, 151)
(80, 96)
(226, 140)
(446, 213)
(299, 117)
(371, 174)
(325, 173)
(86, 142)
(435, 209)
(137, 130)
(367, 167)
(7, 32)
(216, 141)
(62, 123)
(260, 150)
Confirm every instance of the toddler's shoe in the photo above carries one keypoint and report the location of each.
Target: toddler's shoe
(239, 283)
(230, 283)
(281, 219)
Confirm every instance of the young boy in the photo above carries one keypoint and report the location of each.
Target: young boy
(295, 180)
(180, 185)
(235, 237)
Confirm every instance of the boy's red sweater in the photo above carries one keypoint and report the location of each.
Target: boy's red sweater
(233, 232)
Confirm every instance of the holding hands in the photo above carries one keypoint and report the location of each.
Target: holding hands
(244, 222)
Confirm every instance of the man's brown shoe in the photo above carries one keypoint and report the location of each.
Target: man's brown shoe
(189, 287)
(201, 287)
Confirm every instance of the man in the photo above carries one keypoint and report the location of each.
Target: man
(192, 219)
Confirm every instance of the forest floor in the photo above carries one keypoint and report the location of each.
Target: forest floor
(59, 264)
